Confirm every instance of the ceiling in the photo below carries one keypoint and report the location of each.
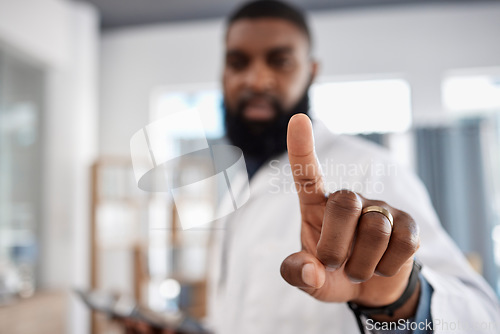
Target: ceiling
(124, 13)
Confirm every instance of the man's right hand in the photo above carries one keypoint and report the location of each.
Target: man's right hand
(346, 256)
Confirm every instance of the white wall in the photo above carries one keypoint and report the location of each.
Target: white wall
(136, 61)
(37, 28)
(62, 38)
(419, 42)
(71, 139)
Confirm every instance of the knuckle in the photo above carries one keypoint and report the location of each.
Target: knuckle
(386, 272)
(408, 221)
(358, 275)
(405, 217)
(405, 245)
(406, 238)
(376, 230)
(331, 257)
(344, 200)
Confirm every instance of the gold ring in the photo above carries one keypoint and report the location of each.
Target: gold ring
(379, 209)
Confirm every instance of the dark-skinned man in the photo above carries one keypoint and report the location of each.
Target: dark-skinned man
(346, 257)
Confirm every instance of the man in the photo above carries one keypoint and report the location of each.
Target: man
(356, 249)
(354, 268)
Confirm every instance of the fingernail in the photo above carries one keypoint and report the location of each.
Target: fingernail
(354, 280)
(309, 274)
(331, 268)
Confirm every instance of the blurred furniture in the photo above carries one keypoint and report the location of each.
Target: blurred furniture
(117, 241)
(138, 248)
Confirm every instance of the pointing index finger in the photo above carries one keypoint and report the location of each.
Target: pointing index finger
(305, 167)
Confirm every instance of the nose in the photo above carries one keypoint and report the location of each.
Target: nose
(260, 78)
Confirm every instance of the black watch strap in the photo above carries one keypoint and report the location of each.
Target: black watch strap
(391, 308)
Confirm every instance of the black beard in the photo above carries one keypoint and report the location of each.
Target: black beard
(260, 141)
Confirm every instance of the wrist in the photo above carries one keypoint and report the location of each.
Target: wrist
(406, 311)
(401, 306)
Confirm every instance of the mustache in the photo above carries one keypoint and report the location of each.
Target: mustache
(247, 97)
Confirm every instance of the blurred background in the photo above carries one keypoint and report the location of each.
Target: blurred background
(78, 79)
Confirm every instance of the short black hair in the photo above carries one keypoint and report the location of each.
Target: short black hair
(271, 9)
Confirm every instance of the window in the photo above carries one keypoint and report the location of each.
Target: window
(206, 101)
(21, 115)
(475, 93)
(471, 92)
(363, 106)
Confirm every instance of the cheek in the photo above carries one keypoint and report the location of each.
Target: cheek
(230, 91)
(293, 87)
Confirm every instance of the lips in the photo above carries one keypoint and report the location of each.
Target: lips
(259, 110)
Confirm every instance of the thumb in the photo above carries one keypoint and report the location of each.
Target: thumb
(303, 270)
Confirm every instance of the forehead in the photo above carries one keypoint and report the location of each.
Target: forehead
(263, 34)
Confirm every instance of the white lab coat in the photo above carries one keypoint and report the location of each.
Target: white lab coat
(247, 292)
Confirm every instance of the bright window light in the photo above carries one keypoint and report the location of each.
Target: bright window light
(363, 106)
(471, 93)
(170, 289)
(345, 107)
(206, 102)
